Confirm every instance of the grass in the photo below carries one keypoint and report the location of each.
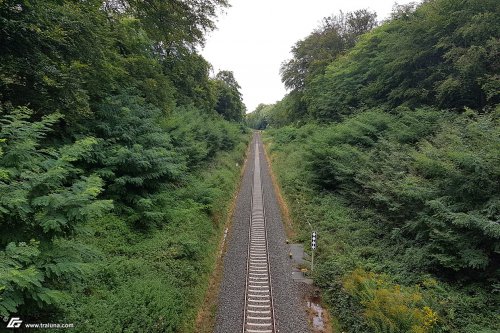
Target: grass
(205, 320)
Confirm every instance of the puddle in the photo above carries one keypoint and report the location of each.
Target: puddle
(317, 316)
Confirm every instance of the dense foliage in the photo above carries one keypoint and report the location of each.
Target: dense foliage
(393, 157)
(258, 118)
(444, 53)
(229, 100)
(311, 56)
(406, 207)
(335, 35)
(115, 161)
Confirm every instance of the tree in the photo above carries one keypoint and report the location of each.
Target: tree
(54, 56)
(333, 37)
(443, 53)
(229, 100)
(174, 24)
(258, 119)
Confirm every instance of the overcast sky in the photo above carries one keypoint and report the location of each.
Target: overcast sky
(255, 36)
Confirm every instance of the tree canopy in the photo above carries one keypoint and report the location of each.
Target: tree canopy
(440, 53)
(336, 35)
(229, 102)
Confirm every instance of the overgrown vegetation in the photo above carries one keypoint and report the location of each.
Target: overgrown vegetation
(393, 157)
(411, 197)
(118, 155)
(157, 278)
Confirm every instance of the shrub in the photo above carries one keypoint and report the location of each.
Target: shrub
(387, 307)
(46, 200)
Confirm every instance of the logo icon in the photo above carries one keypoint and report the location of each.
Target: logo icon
(14, 322)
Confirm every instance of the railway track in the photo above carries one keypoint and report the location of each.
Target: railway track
(259, 307)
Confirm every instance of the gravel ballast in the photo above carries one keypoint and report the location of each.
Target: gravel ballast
(290, 315)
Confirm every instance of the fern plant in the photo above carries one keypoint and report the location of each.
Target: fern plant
(43, 198)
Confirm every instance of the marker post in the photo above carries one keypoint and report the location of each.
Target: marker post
(313, 248)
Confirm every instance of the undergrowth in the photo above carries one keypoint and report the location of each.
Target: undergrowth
(405, 207)
(154, 280)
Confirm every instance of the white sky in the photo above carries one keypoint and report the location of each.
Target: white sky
(255, 36)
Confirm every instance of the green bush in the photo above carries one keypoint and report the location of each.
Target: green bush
(154, 280)
(390, 308)
(46, 200)
(411, 195)
(435, 184)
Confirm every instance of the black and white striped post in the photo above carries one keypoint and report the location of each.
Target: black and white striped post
(313, 248)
